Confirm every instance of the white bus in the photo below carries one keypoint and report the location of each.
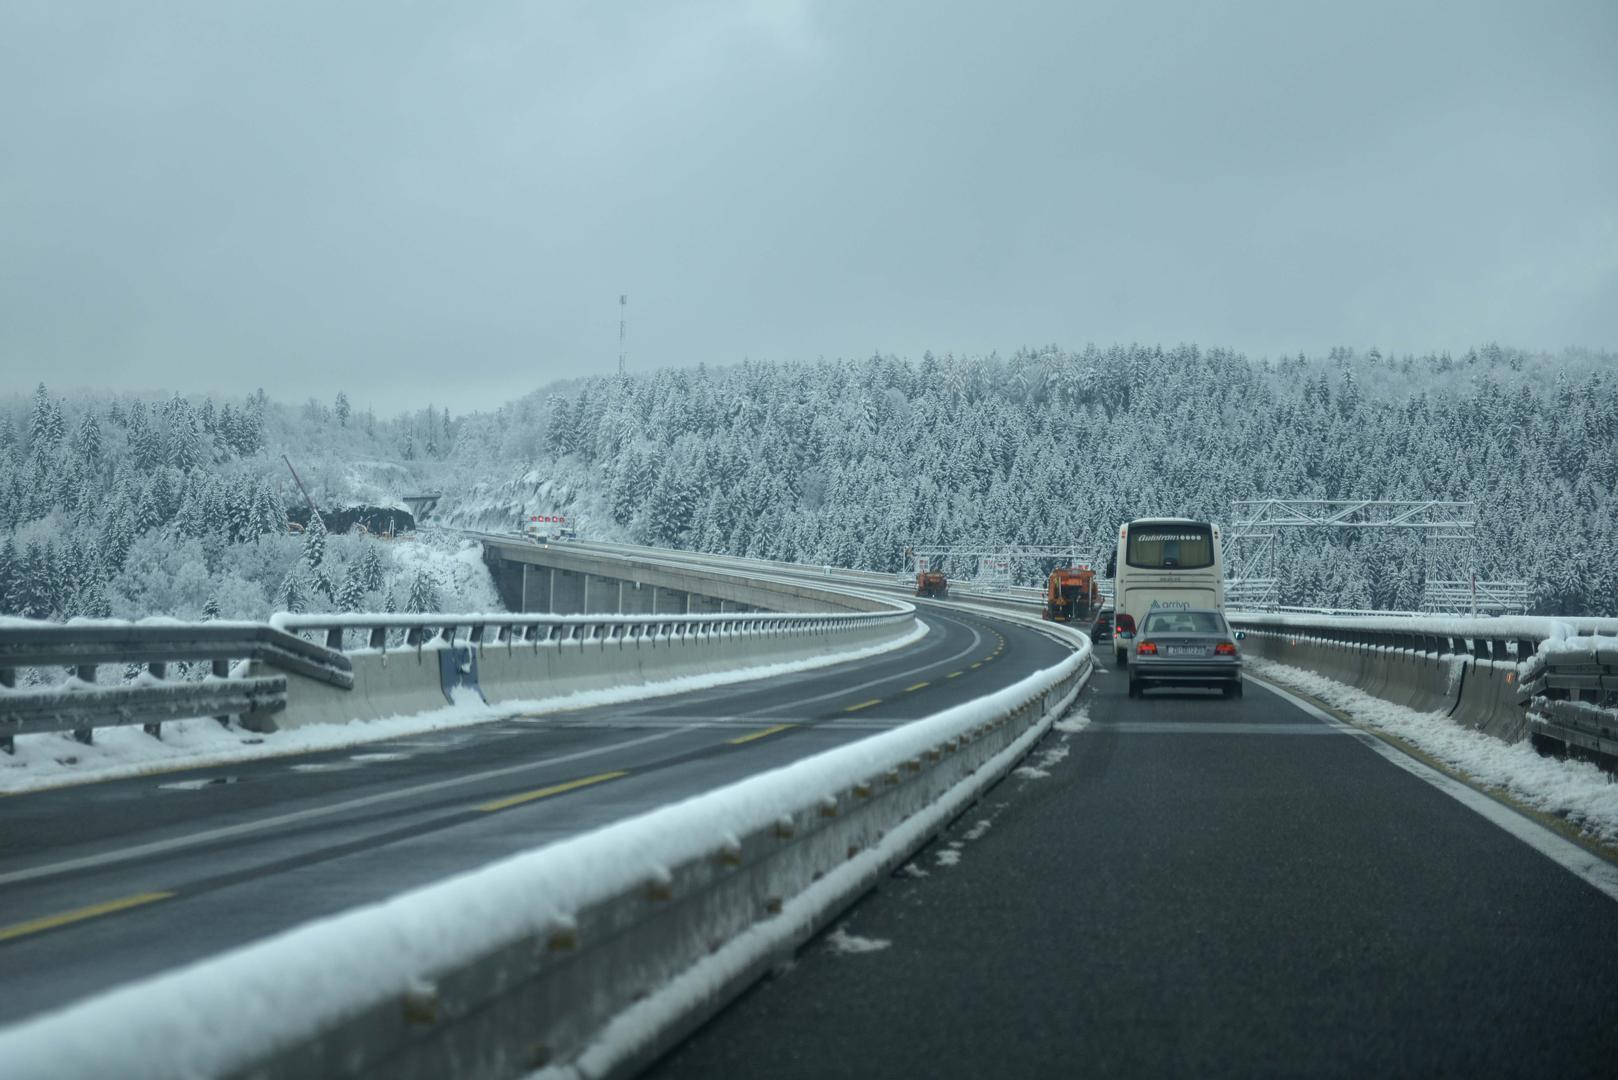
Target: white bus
(1163, 563)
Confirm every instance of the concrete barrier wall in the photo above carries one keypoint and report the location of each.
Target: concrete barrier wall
(1476, 693)
(519, 658)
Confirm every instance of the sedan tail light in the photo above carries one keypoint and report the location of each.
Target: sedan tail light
(1224, 648)
(1146, 648)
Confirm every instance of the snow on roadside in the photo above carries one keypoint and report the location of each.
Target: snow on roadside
(1048, 759)
(46, 761)
(841, 942)
(1575, 790)
(1077, 719)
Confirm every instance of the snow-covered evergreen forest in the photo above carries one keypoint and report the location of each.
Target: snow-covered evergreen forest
(179, 506)
(847, 462)
(127, 508)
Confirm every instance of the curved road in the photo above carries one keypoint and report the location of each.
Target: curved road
(102, 883)
(1200, 887)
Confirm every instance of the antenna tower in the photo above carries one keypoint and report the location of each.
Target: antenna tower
(623, 324)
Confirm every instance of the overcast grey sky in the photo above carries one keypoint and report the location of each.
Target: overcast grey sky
(440, 203)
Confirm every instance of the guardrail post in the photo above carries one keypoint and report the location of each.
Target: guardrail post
(379, 637)
(158, 669)
(221, 670)
(334, 638)
(85, 673)
(8, 679)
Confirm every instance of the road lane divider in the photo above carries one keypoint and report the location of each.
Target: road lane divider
(67, 918)
(863, 705)
(752, 735)
(918, 686)
(547, 792)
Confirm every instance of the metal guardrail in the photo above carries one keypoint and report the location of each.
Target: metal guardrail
(1562, 674)
(79, 703)
(1571, 687)
(382, 633)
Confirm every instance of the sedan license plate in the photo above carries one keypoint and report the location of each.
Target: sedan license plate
(1184, 650)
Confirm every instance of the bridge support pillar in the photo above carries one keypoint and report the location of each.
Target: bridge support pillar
(600, 596)
(670, 602)
(637, 599)
(565, 593)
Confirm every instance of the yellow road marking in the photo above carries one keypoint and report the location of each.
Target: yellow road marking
(759, 734)
(918, 686)
(954, 674)
(50, 922)
(978, 664)
(864, 705)
(547, 792)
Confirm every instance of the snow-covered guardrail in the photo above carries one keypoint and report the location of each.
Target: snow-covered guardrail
(1515, 677)
(45, 702)
(586, 958)
(1571, 685)
(410, 663)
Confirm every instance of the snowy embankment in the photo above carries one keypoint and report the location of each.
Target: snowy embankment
(1577, 791)
(220, 1015)
(44, 761)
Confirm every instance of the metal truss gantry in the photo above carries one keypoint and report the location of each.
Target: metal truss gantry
(1251, 545)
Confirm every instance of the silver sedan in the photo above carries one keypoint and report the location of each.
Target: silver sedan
(1186, 647)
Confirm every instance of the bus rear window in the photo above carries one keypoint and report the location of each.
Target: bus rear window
(1177, 546)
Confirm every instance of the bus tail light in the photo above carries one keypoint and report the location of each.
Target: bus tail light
(1124, 625)
(1146, 648)
(1224, 648)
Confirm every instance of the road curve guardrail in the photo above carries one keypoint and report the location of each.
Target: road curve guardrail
(411, 663)
(1515, 677)
(585, 958)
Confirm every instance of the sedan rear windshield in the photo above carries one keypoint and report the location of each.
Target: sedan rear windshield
(1171, 546)
(1185, 622)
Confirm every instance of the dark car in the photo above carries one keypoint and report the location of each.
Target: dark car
(1187, 648)
(1101, 629)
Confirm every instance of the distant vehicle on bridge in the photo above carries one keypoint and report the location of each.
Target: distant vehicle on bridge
(932, 583)
(1164, 564)
(549, 528)
(1071, 595)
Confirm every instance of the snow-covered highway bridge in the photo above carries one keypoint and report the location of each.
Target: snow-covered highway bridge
(1055, 878)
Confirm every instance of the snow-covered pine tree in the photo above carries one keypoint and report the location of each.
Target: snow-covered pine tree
(352, 592)
(314, 542)
(293, 595)
(423, 594)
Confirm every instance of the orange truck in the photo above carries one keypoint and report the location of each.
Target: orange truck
(932, 583)
(1071, 594)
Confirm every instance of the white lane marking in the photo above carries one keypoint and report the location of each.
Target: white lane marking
(261, 824)
(325, 766)
(1208, 727)
(845, 691)
(380, 757)
(1601, 874)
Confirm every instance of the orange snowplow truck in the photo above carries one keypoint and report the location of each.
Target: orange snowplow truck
(1071, 594)
(932, 583)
